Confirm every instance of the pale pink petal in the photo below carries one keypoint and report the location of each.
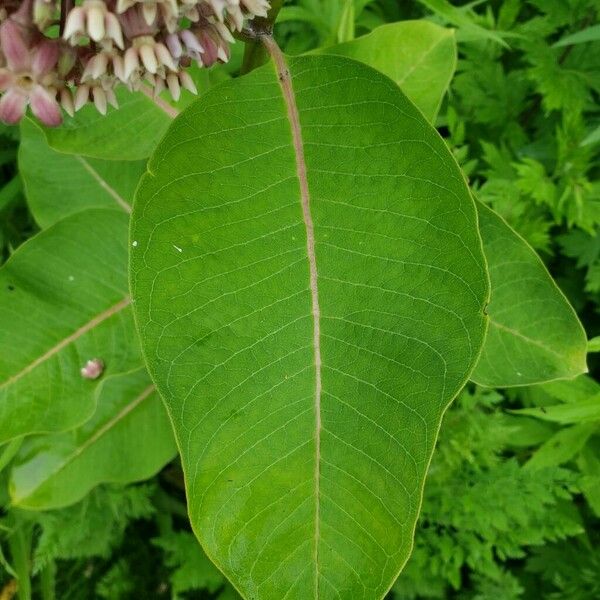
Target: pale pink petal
(82, 95)
(14, 46)
(113, 30)
(149, 12)
(164, 56)
(75, 24)
(99, 97)
(174, 45)
(45, 107)
(174, 86)
(12, 106)
(148, 58)
(66, 101)
(187, 82)
(191, 41)
(95, 22)
(6, 79)
(45, 57)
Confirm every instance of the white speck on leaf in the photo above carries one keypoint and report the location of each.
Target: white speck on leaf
(71, 278)
(93, 369)
(134, 244)
(177, 248)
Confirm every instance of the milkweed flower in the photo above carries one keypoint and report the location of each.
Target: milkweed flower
(107, 43)
(28, 77)
(94, 20)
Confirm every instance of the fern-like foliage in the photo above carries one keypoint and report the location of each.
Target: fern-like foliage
(92, 528)
(482, 510)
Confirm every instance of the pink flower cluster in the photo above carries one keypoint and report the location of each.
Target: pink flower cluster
(106, 43)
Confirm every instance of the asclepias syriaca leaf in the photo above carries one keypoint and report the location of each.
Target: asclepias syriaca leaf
(309, 286)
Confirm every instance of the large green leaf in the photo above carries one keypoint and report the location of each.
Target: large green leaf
(128, 439)
(309, 285)
(418, 55)
(534, 333)
(57, 184)
(63, 301)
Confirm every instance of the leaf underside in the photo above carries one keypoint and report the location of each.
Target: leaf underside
(305, 432)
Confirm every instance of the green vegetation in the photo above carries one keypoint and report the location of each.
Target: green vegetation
(92, 480)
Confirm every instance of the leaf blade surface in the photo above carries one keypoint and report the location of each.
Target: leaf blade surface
(58, 185)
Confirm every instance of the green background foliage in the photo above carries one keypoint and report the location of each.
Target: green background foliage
(512, 499)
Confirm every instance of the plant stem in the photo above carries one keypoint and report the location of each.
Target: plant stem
(48, 581)
(255, 54)
(20, 550)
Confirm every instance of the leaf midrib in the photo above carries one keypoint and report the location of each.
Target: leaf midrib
(525, 338)
(289, 97)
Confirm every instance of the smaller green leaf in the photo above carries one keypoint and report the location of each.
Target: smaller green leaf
(57, 184)
(63, 301)
(462, 17)
(594, 344)
(128, 439)
(574, 390)
(562, 446)
(588, 462)
(418, 55)
(592, 138)
(579, 412)
(10, 191)
(129, 133)
(346, 26)
(589, 34)
(9, 451)
(534, 334)
(526, 432)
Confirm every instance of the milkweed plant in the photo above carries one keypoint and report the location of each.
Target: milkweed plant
(269, 296)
